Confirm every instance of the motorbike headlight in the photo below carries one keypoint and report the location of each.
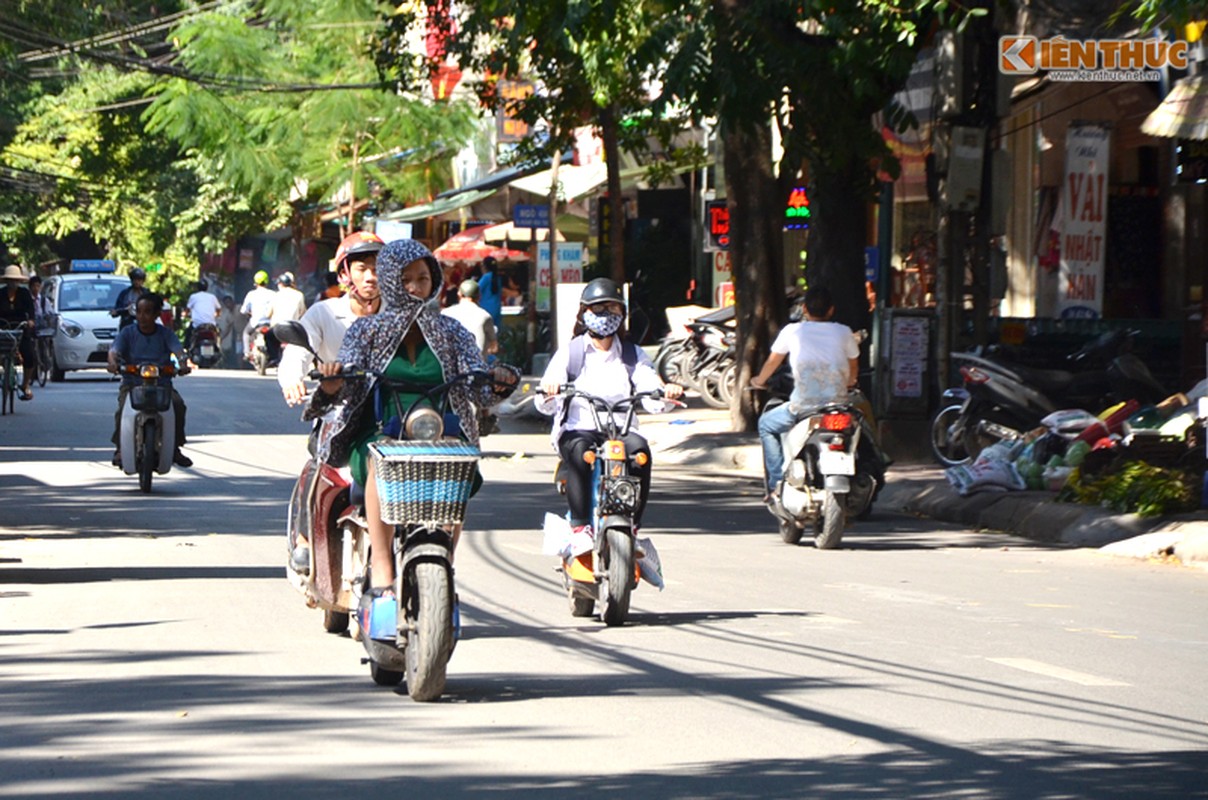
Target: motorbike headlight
(72, 329)
(424, 424)
(148, 371)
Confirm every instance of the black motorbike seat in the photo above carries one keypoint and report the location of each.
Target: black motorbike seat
(1057, 383)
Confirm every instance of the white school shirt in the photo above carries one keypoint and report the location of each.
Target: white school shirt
(604, 375)
(326, 323)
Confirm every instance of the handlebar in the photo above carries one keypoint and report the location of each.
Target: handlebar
(164, 370)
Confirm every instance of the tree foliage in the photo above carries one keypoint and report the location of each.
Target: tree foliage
(283, 97)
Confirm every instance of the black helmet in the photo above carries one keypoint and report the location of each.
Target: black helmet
(137, 274)
(202, 285)
(601, 290)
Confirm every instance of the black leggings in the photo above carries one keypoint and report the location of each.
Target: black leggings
(572, 445)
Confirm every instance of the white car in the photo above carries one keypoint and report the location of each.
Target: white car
(86, 329)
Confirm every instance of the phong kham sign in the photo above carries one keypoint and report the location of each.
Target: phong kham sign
(1082, 222)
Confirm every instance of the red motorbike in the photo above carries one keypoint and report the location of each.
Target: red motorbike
(205, 349)
(328, 543)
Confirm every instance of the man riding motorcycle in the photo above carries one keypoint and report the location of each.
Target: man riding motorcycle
(824, 359)
(204, 309)
(257, 306)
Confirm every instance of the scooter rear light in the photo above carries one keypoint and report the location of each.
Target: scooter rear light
(974, 375)
(837, 444)
(836, 422)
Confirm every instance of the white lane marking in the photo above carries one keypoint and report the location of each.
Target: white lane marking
(1052, 671)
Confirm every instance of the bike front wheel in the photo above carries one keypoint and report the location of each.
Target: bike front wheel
(620, 576)
(429, 631)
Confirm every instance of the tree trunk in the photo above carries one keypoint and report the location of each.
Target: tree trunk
(609, 132)
(838, 234)
(756, 244)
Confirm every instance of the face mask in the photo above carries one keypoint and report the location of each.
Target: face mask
(603, 324)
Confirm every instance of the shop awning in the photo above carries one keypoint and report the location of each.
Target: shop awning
(1184, 112)
(441, 205)
(502, 177)
(575, 181)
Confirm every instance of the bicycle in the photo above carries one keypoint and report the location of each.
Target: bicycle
(45, 351)
(10, 340)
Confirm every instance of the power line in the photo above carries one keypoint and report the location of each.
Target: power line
(116, 37)
(30, 37)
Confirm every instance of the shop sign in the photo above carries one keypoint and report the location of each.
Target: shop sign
(724, 296)
(717, 226)
(1082, 222)
(509, 128)
(571, 256)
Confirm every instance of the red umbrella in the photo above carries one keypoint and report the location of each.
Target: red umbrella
(470, 245)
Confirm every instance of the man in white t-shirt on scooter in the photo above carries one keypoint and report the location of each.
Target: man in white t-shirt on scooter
(824, 358)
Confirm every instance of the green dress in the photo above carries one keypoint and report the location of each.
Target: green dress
(425, 371)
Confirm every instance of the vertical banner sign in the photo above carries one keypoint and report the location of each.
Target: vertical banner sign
(1082, 222)
(571, 256)
(723, 276)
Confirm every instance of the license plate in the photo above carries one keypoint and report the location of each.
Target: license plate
(836, 462)
(207, 349)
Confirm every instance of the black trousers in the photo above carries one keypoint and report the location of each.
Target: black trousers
(572, 445)
(27, 347)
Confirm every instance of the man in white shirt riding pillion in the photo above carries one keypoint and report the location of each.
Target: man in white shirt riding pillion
(326, 322)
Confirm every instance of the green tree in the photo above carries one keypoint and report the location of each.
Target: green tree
(283, 97)
(818, 72)
(584, 57)
(78, 154)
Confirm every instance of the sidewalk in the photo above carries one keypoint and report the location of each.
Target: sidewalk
(700, 438)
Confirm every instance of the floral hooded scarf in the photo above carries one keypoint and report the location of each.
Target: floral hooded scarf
(371, 342)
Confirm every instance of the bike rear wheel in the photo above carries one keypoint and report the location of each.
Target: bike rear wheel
(619, 576)
(46, 358)
(429, 632)
(834, 520)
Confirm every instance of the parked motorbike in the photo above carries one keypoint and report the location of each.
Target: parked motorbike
(835, 469)
(205, 349)
(424, 482)
(699, 353)
(608, 573)
(147, 434)
(1000, 400)
(266, 348)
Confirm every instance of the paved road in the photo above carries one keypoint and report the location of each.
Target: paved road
(150, 644)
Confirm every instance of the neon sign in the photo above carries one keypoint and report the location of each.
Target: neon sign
(797, 211)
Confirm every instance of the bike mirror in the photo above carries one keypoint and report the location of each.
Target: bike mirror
(294, 333)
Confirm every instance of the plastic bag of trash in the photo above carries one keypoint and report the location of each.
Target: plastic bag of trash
(557, 532)
(650, 566)
(982, 476)
(561, 540)
(1069, 421)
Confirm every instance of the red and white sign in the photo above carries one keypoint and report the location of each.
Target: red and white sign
(1082, 222)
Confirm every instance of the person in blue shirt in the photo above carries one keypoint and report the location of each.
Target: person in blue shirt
(147, 342)
(490, 293)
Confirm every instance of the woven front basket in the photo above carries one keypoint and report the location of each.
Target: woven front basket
(9, 340)
(424, 483)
